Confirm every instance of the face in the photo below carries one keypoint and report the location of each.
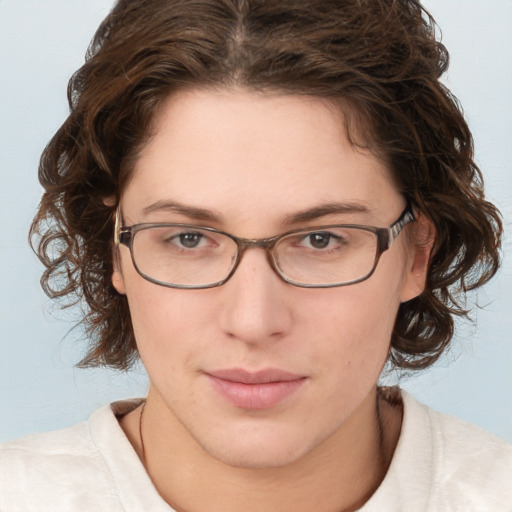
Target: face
(259, 372)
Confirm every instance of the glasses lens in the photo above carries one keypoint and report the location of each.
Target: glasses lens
(332, 255)
(183, 255)
(188, 256)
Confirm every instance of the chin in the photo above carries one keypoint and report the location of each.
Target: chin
(259, 450)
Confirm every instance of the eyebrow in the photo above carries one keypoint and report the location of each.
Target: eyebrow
(307, 215)
(193, 212)
(326, 209)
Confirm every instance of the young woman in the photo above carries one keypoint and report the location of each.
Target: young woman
(266, 202)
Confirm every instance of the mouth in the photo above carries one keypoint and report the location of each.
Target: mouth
(255, 390)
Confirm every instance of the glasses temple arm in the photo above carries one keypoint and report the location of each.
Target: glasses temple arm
(406, 218)
(117, 225)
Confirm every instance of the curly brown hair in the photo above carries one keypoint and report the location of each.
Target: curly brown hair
(380, 58)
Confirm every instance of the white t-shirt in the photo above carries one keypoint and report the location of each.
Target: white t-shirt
(441, 464)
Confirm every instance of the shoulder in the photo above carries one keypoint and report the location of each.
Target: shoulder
(41, 471)
(48, 449)
(90, 466)
(459, 447)
(444, 463)
(469, 468)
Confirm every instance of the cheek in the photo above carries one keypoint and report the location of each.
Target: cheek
(347, 343)
(351, 327)
(167, 323)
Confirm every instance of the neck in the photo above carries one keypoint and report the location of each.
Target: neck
(338, 475)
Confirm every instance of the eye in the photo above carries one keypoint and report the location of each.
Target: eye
(190, 240)
(180, 240)
(319, 240)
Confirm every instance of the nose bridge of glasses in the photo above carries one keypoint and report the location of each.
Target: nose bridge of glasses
(266, 244)
(263, 243)
(255, 243)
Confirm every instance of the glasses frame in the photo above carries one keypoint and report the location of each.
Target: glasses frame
(125, 235)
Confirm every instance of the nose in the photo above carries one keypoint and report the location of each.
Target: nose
(254, 306)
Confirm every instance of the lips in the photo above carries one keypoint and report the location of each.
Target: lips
(255, 390)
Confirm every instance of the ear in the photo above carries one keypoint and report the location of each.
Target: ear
(117, 273)
(110, 201)
(421, 243)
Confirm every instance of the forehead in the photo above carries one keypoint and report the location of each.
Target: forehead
(252, 155)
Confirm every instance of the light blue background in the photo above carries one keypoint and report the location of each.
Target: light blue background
(42, 42)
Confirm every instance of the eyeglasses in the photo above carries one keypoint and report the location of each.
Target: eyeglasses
(189, 256)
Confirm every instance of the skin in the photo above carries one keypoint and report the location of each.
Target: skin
(254, 160)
